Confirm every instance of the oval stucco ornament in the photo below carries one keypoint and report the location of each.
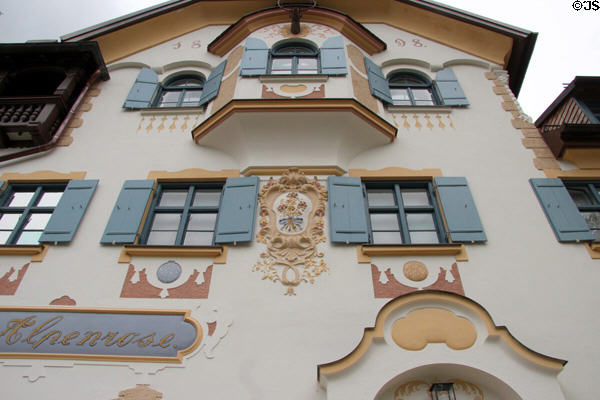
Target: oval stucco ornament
(433, 325)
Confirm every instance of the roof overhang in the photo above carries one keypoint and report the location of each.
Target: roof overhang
(499, 43)
(294, 131)
(580, 87)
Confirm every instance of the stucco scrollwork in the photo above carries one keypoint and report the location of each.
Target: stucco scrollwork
(291, 225)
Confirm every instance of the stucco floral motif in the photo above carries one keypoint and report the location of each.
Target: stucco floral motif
(291, 225)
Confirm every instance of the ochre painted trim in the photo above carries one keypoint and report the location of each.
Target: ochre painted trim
(42, 176)
(334, 19)
(178, 359)
(218, 252)
(37, 252)
(428, 297)
(306, 170)
(193, 174)
(573, 174)
(395, 173)
(593, 250)
(365, 252)
(294, 105)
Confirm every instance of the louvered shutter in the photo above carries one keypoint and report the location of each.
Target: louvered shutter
(124, 222)
(143, 89)
(69, 211)
(255, 58)
(212, 84)
(462, 218)
(377, 83)
(449, 88)
(333, 57)
(560, 209)
(237, 211)
(347, 212)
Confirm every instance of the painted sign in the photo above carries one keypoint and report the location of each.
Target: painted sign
(98, 334)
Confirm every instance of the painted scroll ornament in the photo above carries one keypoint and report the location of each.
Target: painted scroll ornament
(291, 225)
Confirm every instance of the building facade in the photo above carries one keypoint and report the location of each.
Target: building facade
(257, 200)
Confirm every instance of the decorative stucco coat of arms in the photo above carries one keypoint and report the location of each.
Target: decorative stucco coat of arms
(291, 225)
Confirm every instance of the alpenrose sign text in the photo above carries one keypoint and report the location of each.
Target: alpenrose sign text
(98, 334)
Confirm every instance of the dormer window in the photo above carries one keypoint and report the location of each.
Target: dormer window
(294, 58)
(181, 91)
(411, 89)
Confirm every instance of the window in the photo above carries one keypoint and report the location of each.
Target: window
(181, 91)
(403, 213)
(183, 214)
(411, 89)
(44, 212)
(294, 58)
(587, 199)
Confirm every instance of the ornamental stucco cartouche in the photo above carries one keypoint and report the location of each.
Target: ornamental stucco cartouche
(291, 225)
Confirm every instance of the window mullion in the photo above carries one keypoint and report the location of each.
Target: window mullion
(594, 191)
(185, 216)
(401, 215)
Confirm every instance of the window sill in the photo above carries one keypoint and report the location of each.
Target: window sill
(218, 253)
(364, 252)
(293, 78)
(421, 109)
(37, 252)
(593, 249)
(172, 110)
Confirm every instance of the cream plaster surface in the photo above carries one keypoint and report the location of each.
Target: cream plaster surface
(543, 291)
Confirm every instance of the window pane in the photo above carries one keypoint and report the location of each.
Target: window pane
(580, 196)
(592, 219)
(415, 197)
(173, 198)
(20, 199)
(307, 66)
(202, 222)
(281, 66)
(384, 222)
(169, 98)
(422, 97)
(29, 237)
(166, 222)
(423, 237)
(387, 238)
(381, 197)
(192, 96)
(9, 221)
(37, 222)
(161, 238)
(198, 239)
(49, 199)
(207, 198)
(4, 235)
(420, 222)
(186, 82)
(400, 97)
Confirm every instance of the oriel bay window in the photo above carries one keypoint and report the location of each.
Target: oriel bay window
(148, 213)
(403, 212)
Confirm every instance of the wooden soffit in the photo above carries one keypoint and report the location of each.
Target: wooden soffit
(350, 106)
(351, 29)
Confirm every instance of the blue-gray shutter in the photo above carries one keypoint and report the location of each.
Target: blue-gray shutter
(143, 89)
(235, 222)
(449, 88)
(462, 218)
(126, 217)
(333, 57)
(255, 58)
(212, 84)
(560, 209)
(68, 212)
(347, 212)
(377, 83)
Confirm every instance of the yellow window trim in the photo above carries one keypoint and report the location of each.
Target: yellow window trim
(366, 251)
(218, 253)
(396, 173)
(306, 170)
(37, 252)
